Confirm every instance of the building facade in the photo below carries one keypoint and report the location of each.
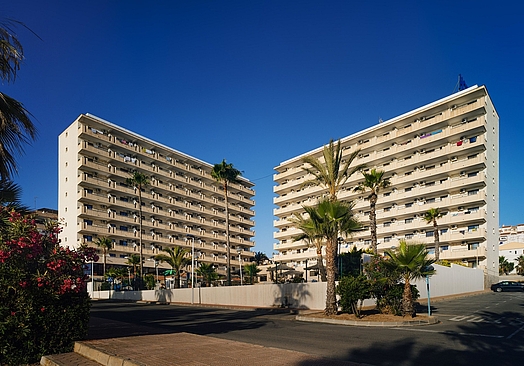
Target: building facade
(511, 233)
(182, 206)
(443, 155)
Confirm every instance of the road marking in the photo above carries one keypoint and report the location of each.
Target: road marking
(460, 318)
(476, 319)
(454, 333)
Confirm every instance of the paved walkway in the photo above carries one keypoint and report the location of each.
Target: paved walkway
(182, 349)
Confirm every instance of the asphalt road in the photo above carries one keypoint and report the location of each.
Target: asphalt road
(486, 329)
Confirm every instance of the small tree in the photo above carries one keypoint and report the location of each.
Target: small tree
(505, 267)
(106, 244)
(134, 261)
(520, 265)
(251, 270)
(177, 259)
(353, 291)
(412, 262)
(431, 216)
(260, 257)
(208, 273)
(374, 182)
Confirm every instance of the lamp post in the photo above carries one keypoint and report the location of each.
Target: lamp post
(429, 268)
(240, 262)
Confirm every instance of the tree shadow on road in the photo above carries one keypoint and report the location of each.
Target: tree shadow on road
(110, 320)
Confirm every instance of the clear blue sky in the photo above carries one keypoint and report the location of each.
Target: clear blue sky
(259, 82)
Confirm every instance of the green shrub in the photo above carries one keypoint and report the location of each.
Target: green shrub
(353, 291)
(391, 300)
(44, 306)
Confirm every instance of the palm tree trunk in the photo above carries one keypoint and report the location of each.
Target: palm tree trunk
(321, 268)
(331, 300)
(437, 240)
(228, 244)
(373, 221)
(407, 299)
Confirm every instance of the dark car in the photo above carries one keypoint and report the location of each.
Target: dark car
(507, 286)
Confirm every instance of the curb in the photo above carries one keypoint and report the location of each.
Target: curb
(103, 357)
(404, 323)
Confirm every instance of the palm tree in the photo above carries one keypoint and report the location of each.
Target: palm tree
(251, 270)
(374, 181)
(139, 181)
(312, 235)
(333, 172)
(225, 173)
(106, 244)
(520, 265)
(11, 195)
(260, 257)
(176, 258)
(332, 218)
(413, 263)
(16, 127)
(135, 261)
(431, 216)
(208, 273)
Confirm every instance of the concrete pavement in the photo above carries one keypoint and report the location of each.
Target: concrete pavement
(181, 349)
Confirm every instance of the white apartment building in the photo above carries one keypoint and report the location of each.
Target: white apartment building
(443, 155)
(511, 233)
(182, 206)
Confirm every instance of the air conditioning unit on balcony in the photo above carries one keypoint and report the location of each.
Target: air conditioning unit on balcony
(454, 158)
(464, 120)
(461, 208)
(462, 190)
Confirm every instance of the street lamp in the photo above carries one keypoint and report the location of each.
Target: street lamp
(428, 268)
(240, 262)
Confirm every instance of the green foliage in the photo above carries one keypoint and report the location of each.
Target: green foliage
(208, 272)
(350, 262)
(251, 271)
(150, 281)
(353, 291)
(520, 265)
(505, 267)
(44, 306)
(387, 285)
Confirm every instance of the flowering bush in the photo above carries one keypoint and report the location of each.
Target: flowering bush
(44, 305)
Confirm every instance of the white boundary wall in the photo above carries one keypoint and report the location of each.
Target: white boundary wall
(447, 281)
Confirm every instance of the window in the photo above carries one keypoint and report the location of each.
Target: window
(387, 239)
(443, 231)
(409, 236)
(473, 192)
(123, 228)
(88, 222)
(473, 174)
(409, 204)
(429, 234)
(473, 246)
(408, 221)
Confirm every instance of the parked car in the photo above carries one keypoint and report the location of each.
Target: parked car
(507, 286)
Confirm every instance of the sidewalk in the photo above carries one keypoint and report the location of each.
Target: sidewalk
(181, 349)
